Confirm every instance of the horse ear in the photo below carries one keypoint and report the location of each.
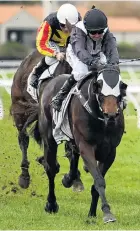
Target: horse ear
(69, 26)
(123, 87)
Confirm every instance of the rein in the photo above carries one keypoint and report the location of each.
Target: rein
(85, 103)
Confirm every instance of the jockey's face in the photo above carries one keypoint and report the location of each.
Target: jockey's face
(64, 28)
(96, 35)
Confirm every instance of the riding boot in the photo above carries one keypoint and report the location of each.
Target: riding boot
(38, 70)
(64, 90)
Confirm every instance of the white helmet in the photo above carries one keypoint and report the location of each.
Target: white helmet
(69, 12)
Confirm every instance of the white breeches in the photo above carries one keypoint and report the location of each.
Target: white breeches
(51, 60)
(79, 69)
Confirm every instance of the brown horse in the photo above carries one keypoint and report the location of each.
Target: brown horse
(97, 124)
(24, 110)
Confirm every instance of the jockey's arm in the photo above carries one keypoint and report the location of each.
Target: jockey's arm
(78, 42)
(43, 37)
(110, 48)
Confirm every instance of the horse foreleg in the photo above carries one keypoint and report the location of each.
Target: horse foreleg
(103, 167)
(24, 178)
(88, 154)
(51, 168)
(73, 173)
(73, 177)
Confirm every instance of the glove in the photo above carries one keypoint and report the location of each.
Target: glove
(93, 67)
(114, 65)
(60, 56)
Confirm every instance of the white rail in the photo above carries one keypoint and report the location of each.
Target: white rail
(132, 90)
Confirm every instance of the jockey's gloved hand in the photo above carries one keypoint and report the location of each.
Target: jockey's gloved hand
(114, 65)
(93, 67)
(60, 56)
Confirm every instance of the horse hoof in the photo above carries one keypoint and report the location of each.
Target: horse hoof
(24, 182)
(51, 207)
(66, 181)
(109, 217)
(78, 185)
(91, 220)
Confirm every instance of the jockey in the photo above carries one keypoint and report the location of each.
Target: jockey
(52, 38)
(91, 43)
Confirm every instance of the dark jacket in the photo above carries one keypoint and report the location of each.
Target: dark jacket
(80, 40)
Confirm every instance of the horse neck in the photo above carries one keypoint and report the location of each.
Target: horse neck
(63, 68)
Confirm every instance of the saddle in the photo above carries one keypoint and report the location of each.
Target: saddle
(61, 126)
(45, 75)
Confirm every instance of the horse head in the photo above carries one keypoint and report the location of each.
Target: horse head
(109, 90)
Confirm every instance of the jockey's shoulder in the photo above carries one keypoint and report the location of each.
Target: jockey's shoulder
(108, 34)
(52, 19)
(80, 25)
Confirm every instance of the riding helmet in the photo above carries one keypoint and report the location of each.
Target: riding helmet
(95, 19)
(69, 12)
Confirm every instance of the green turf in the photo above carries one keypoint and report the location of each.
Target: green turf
(24, 209)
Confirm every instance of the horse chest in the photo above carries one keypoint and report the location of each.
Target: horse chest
(104, 140)
(104, 148)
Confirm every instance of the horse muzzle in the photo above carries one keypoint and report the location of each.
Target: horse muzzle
(111, 117)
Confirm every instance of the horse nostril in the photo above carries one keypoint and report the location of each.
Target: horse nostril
(106, 114)
(112, 115)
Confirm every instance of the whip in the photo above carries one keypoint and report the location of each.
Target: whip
(131, 60)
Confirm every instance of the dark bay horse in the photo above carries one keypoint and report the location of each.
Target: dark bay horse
(24, 108)
(97, 125)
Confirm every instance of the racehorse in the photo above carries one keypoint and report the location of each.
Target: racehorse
(23, 109)
(97, 124)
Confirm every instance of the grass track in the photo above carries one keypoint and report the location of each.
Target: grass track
(25, 208)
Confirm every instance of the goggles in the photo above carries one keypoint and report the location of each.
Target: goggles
(62, 25)
(101, 31)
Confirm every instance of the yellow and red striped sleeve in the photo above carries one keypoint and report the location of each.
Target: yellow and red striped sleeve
(43, 37)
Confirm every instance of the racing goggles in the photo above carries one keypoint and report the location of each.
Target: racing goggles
(93, 32)
(62, 25)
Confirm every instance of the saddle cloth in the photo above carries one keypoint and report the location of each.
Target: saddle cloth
(46, 74)
(61, 126)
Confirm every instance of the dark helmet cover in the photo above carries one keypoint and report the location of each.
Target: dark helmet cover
(95, 19)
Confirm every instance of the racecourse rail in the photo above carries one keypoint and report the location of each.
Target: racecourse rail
(133, 90)
(127, 63)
